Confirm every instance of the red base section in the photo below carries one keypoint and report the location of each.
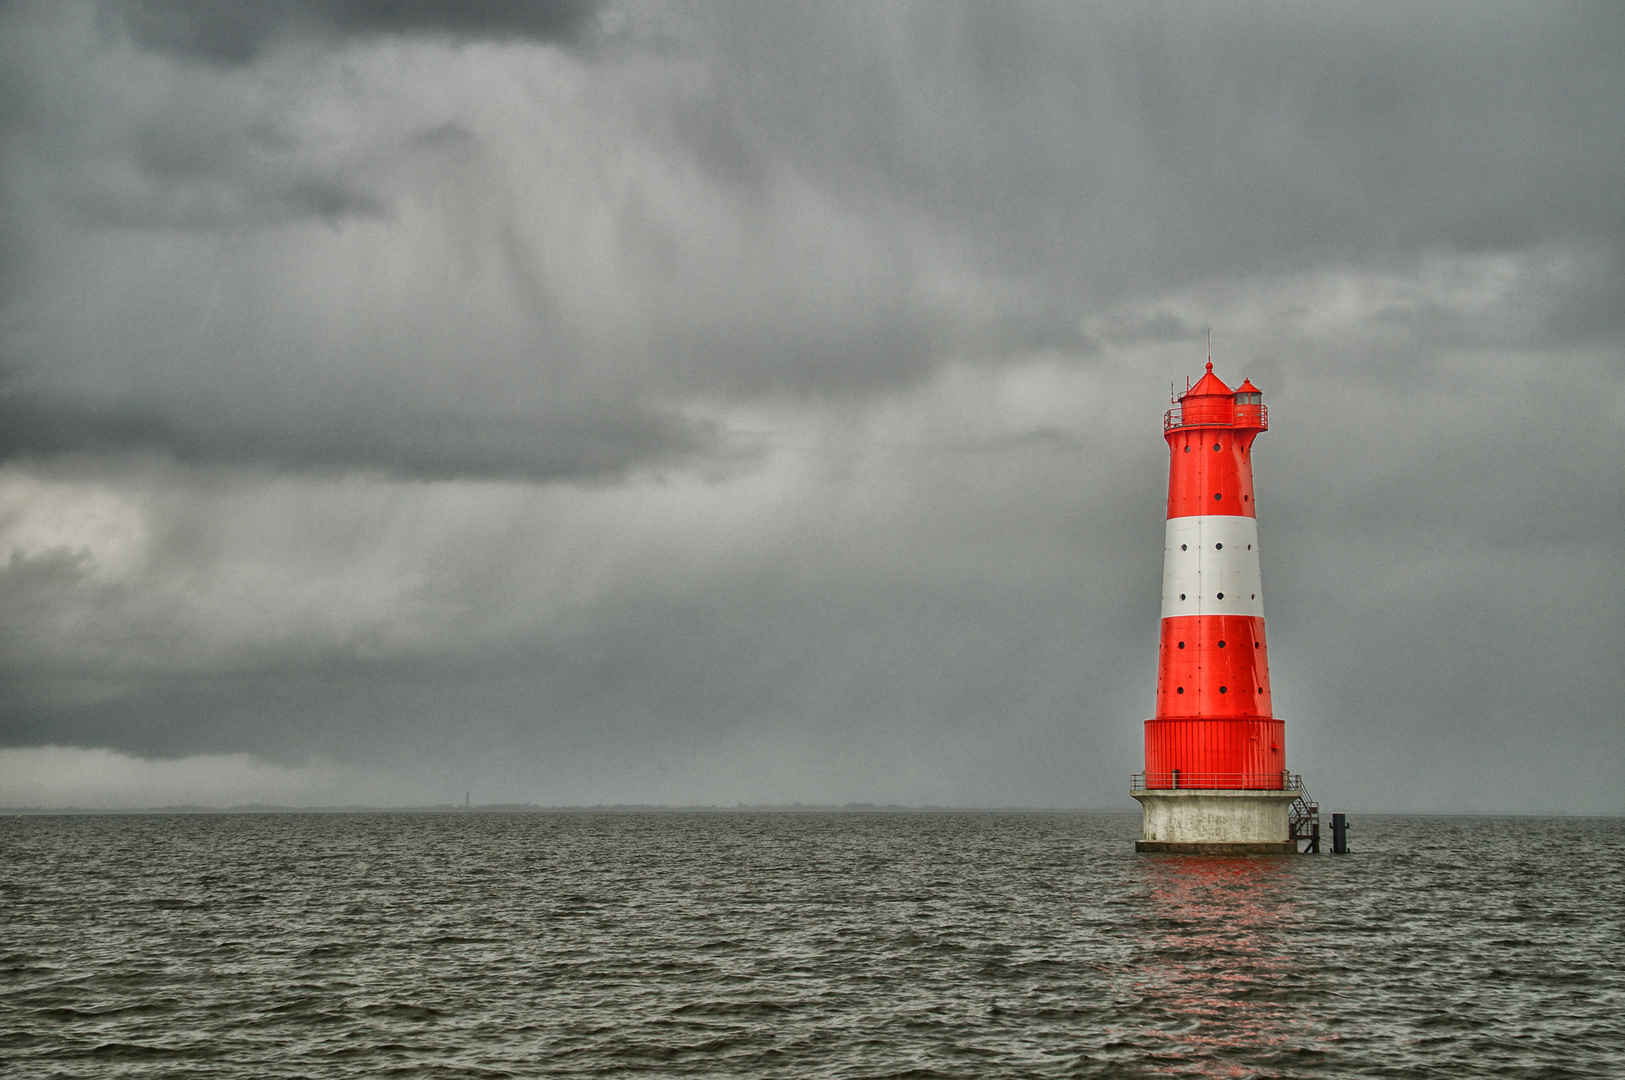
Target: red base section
(1212, 753)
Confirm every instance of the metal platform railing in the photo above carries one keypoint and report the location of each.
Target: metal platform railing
(1175, 417)
(1184, 781)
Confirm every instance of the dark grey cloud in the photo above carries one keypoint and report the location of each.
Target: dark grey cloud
(1123, 144)
(784, 654)
(1070, 157)
(587, 443)
(238, 31)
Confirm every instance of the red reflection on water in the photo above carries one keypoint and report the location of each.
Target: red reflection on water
(1212, 977)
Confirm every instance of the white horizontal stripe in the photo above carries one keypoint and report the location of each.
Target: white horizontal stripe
(1208, 555)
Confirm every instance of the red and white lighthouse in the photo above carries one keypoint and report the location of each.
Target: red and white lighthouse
(1215, 777)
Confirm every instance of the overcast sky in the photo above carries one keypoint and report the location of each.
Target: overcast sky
(701, 403)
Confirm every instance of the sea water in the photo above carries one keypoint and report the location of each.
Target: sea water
(801, 945)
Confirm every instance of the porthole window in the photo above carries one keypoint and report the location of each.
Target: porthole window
(1181, 644)
(1260, 689)
(1254, 596)
(1221, 596)
(1187, 449)
(1255, 644)
(1244, 498)
(1182, 596)
(1218, 547)
(1181, 547)
(1217, 496)
(1215, 448)
(1249, 547)
(1181, 690)
(1221, 644)
(1224, 689)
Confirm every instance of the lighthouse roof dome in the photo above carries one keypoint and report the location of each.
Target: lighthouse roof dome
(1247, 387)
(1209, 385)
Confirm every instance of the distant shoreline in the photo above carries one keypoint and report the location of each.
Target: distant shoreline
(532, 808)
(450, 810)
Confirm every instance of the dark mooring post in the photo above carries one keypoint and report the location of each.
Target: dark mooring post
(1314, 838)
(1340, 834)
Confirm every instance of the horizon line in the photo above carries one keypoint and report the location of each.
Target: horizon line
(200, 810)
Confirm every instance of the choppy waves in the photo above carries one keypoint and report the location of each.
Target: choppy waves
(840, 945)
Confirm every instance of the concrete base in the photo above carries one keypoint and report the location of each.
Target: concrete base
(1217, 822)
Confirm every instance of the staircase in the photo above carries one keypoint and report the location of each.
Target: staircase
(1303, 818)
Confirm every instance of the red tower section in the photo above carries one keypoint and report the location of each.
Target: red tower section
(1214, 726)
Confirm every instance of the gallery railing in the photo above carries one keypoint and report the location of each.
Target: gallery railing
(1206, 416)
(1184, 781)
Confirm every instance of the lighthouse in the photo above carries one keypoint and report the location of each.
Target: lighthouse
(1215, 779)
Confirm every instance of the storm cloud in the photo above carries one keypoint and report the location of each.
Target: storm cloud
(707, 402)
(227, 32)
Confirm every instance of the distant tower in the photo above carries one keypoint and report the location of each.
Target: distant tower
(1215, 779)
